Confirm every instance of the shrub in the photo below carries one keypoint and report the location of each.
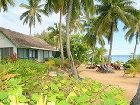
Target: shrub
(27, 82)
(132, 66)
(30, 73)
(62, 90)
(55, 64)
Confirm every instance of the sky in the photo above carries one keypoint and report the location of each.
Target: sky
(11, 20)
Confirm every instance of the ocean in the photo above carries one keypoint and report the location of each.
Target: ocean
(122, 58)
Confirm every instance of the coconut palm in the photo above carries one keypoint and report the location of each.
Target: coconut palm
(74, 10)
(81, 10)
(100, 54)
(4, 4)
(110, 11)
(135, 100)
(34, 8)
(68, 17)
(91, 39)
(134, 32)
(54, 34)
(57, 6)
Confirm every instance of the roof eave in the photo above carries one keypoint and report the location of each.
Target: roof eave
(40, 48)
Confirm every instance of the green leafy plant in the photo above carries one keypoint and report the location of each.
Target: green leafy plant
(132, 66)
(27, 82)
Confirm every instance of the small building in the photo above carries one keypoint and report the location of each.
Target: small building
(24, 46)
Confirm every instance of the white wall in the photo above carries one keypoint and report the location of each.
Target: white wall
(4, 42)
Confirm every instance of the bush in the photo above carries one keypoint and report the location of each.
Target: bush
(62, 90)
(27, 82)
(132, 66)
(30, 73)
(55, 63)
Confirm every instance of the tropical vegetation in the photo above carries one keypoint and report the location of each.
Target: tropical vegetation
(132, 66)
(94, 23)
(32, 13)
(134, 32)
(28, 82)
(110, 12)
(4, 4)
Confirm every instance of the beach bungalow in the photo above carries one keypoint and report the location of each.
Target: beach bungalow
(24, 46)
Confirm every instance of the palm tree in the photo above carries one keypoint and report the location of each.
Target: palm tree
(100, 54)
(4, 4)
(32, 14)
(54, 33)
(135, 100)
(74, 10)
(82, 10)
(68, 17)
(134, 32)
(110, 11)
(57, 6)
(91, 39)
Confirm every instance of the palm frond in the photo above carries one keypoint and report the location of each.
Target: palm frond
(25, 6)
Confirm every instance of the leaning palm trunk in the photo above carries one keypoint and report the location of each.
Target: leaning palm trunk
(92, 56)
(30, 30)
(134, 54)
(57, 44)
(111, 42)
(136, 99)
(60, 38)
(73, 68)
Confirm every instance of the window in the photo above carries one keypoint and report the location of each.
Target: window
(23, 53)
(50, 54)
(33, 54)
(46, 54)
(6, 52)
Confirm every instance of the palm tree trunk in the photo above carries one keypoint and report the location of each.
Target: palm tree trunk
(73, 68)
(57, 44)
(136, 99)
(60, 38)
(92, 60)
(92, 57)
(30, 30)
(134, 51)
(111, 42)
(134, 54)
(67, 28)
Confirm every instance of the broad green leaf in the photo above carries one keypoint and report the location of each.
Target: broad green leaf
(54, 87)
(71, 94)
(35, 97)
(63, 102)
(22, 99)
(82, 99)
(3, 95)
(51, 103)
(52, 98)
(46, 87)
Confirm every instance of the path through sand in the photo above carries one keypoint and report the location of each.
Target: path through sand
(128, 83)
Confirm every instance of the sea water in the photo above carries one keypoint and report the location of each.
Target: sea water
(122, 58)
